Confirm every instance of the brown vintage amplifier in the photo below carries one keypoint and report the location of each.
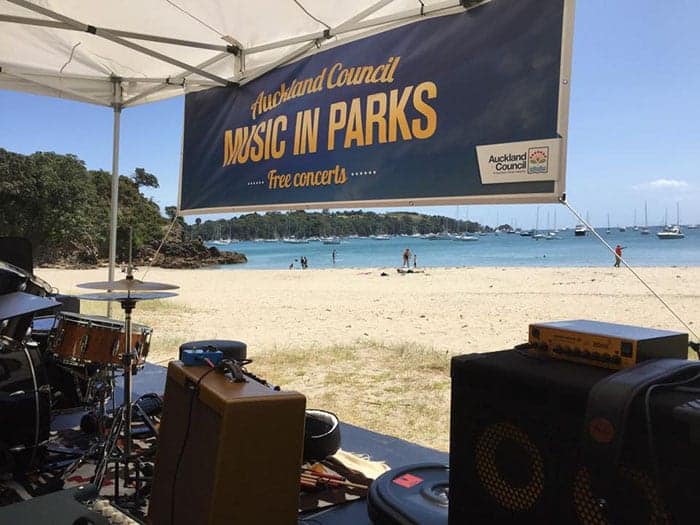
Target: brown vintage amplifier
(606, 345)
(229, 452)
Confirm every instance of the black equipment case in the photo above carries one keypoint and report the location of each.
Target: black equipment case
(410, 495)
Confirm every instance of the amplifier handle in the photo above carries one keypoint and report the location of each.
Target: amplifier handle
(606, 416)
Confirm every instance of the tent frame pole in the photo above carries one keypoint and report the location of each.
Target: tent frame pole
(114, 204)
(104, 33)
(116, 32)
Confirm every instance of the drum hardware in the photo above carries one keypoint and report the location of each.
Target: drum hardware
(127, 292)
(24, 403)
(59, 337)
(83, 345)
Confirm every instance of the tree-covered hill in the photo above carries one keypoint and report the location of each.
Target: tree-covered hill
(63, 209)
(324, 224)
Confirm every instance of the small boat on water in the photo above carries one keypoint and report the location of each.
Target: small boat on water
(294, 240)
(465, 238)
(672, 232)
(439, 237)
(580, 230)
(330, 240)
(379, 237)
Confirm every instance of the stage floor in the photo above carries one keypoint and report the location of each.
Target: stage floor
(395, 452)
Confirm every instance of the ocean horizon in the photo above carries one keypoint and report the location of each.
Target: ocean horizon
(562, 250)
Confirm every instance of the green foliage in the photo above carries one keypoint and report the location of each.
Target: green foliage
(142, 178)
(301, 224)
(63, 208)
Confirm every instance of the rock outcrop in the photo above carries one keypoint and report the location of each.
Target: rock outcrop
(187, 254)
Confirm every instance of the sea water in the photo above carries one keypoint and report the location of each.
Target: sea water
(491, 249)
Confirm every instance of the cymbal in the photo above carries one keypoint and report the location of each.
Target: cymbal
(128, 284)
(125, 296)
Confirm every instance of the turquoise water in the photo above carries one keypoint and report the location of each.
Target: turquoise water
(489, 250)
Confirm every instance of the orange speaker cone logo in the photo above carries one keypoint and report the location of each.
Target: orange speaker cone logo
(601, 430)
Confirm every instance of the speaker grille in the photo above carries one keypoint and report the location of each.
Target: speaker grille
(589, 512)
(501, 444)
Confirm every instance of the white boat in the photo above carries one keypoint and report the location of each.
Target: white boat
(294, 240)
(465, 238)
(379, 237)
(672, 232)
(330, 240)
(439, 237)
(580, 230)
(536, 234)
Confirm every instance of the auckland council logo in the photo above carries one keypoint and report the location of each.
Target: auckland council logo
(538, 160)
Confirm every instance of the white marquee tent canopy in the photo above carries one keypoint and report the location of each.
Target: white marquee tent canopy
(129, 52)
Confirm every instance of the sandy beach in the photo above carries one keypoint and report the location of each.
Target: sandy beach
(367, 345)
(454, 310)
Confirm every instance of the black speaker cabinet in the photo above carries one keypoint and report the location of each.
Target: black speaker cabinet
(515, 447)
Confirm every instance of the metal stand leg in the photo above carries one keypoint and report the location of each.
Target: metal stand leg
(110, 444)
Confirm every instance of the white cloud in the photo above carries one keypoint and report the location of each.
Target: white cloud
(662, 184)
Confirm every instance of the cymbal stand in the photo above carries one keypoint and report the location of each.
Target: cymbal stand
(121, 425)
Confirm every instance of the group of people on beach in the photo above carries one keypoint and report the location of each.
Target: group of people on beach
(407, 259)
(302, 260)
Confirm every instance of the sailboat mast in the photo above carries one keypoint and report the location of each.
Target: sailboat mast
(646, 225)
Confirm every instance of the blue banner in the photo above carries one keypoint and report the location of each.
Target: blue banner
(457, 108)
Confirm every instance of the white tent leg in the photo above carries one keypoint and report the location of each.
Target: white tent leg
(115, 196)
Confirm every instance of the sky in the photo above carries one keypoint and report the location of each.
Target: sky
(634, 124)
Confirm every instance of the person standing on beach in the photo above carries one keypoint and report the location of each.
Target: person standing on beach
(618, 255)
(406, 257)
(333, 257)
(415, 260)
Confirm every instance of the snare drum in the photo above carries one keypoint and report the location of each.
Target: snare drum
(84, 339)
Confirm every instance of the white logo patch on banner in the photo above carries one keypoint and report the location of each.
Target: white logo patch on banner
(528, 161)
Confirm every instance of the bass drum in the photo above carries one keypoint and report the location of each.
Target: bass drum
(25, 401)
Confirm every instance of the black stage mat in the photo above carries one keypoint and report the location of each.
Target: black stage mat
(395, 452)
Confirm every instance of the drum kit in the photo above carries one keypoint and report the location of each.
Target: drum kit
(86, 350)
